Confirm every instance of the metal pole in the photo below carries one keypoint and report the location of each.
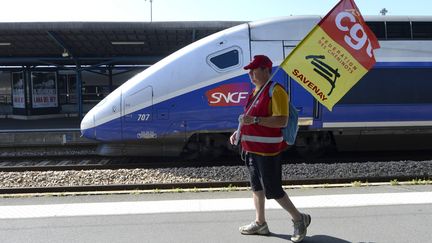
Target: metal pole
(151, 10)
(110, 68)
(27, 91)
(79, 90)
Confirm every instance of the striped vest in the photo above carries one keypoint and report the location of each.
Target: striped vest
(260, 139)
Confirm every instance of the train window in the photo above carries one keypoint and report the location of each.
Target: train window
(392, 86)
(225, 60)
(422, 30)
(398, 30)
(378, 28)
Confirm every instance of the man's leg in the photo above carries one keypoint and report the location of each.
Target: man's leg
(270, 168)
(271, 174)
(286, 203)
(259, 225)
(300, 221)
(259, 202)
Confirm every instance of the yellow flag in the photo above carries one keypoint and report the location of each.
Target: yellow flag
(334, 55)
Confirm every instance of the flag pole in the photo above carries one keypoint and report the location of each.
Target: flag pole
(237, 139)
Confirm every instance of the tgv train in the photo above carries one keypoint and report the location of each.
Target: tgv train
(188, 103)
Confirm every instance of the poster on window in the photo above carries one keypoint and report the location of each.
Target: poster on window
(18, 98)
(44, 89)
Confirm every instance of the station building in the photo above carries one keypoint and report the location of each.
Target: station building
(62, 69)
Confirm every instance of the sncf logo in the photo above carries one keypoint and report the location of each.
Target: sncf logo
(228, 95)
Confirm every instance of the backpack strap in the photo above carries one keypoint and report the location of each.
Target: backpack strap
(272, 85)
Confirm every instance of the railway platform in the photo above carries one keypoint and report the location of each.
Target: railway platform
(41, 132)
(339, 215)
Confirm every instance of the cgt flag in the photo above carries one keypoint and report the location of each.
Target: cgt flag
(334, 55)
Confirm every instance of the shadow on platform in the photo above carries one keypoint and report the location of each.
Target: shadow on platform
(312, 239)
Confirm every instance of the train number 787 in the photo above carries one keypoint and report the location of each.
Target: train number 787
(143, 117)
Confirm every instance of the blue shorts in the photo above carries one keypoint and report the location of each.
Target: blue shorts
(265, 174)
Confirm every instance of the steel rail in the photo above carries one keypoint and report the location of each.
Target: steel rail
(103, 162)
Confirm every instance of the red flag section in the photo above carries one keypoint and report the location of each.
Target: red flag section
(334, 56)
(346, 26)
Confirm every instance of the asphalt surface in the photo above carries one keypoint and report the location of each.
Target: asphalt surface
(359, 214)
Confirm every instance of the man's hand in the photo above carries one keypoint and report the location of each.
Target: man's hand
(233, 138)
(246, 120)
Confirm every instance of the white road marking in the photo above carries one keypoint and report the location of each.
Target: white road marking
(208, 205)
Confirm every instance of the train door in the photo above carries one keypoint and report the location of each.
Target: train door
(137, 113)
(302, 100)
(277, 52)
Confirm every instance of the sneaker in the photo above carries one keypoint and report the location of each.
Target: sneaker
(300, 228)
(254, 229)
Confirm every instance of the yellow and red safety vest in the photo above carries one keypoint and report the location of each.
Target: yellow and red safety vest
(261, 139)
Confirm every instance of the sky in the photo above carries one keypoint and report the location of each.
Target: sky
(190, 10)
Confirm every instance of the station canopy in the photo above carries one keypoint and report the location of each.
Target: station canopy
(98, 43)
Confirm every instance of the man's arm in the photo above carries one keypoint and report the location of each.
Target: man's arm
(279, 111)
(273, 121)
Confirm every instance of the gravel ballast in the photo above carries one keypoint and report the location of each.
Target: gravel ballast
(413, 169)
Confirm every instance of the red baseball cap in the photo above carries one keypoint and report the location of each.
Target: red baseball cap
(259, 61)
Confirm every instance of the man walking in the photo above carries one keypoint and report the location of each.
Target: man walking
(262, 142)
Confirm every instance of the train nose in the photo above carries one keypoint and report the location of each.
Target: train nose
(88, 126)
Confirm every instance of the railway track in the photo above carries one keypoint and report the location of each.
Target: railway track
(80, 161)
(60, 163)
(95, 173)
